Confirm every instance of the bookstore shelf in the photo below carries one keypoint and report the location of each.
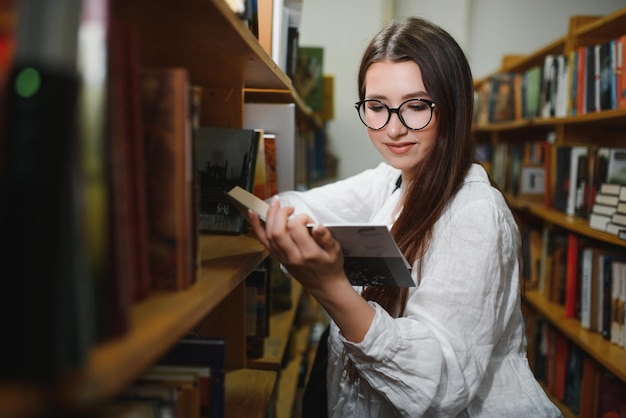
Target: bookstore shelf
(611, 356)
(221, 54)
(588, 128)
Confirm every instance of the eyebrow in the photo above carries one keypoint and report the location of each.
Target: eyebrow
(419, 94)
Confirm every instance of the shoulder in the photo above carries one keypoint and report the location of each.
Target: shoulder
(479, 205)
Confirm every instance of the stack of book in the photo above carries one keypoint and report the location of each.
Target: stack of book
(609, 209)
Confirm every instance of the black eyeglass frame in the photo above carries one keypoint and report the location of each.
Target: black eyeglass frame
(396, 110)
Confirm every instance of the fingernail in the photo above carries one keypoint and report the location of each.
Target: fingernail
(275, 201)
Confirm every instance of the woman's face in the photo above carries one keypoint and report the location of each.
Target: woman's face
(393, 83)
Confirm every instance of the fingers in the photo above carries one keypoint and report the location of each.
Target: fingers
(258, 227)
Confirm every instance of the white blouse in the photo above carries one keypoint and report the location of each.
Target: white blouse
(459, 350)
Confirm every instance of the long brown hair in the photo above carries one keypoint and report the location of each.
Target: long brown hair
(435, 180)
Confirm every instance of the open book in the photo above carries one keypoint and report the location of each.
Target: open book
(371, 256)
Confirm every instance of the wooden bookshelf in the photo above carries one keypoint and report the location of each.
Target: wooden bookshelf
(596, 128)
(612, 357)
(223, 57)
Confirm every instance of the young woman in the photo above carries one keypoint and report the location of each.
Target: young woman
(454, 345)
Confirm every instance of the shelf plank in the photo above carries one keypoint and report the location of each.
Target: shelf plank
(280, 329)
(162, 319)
(609, 355)
(249, 393)
(204, 36)
(571, 223)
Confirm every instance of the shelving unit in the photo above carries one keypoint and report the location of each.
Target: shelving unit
(223, 57)
(605, 128)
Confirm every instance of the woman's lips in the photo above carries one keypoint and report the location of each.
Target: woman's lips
(400, 148)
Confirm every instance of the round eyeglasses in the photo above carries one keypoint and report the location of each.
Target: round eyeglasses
(415, 114)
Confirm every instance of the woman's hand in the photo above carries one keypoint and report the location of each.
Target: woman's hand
(315, 259)
(312, 256)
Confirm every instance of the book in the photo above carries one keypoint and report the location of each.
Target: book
(202, 352)
(616, 169)
(259, 187)
(611, 400)
(589, 387)
(279, 120)
(257, 312)
(166, 113)
(607, 199)
(47, 297)
(185, 382)
(599, 221)
(572, 290)
(620, 71)
(371, 256)
(224, 158)
(618, 272)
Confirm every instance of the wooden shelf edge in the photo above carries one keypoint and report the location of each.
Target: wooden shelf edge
(545, 123)
(159, 321)
(249, 392)
(572, 223)
(609, 355)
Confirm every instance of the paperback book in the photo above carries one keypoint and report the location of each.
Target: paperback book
(371, 256)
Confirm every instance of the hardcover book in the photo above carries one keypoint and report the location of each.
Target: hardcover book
(371, 256)
(224, 158)
(166, 116)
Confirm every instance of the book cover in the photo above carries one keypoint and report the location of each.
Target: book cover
(224, 158)
(371, 256)
(166, 114)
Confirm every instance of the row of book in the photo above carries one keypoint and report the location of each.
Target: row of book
(187, 382)
(574, 378)
(608, 212)
(587, 279)
(588, 79)
(567, 178)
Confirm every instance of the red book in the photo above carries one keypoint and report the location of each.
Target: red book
(571, 281)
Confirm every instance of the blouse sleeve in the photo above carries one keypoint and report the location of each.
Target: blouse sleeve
(434, 358)
(346, 201)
